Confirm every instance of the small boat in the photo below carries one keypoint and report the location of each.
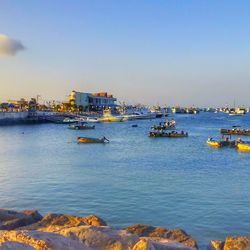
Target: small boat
(69, 121)
(243, 146)
(172, 134)
(213, 143)
(92, 140)
(134, 126)
(89, 119)
(80, 126)
(232, 113)
(235, 131)
(224, 142)
(165, 126)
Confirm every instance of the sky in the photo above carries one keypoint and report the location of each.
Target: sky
(156, 52)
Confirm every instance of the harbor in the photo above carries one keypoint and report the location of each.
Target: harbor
(124, 125)
(155, 181)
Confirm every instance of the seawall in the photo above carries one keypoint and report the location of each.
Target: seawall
(13, 117)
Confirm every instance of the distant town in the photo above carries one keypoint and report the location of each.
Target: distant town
(93, 104)
(88, 102)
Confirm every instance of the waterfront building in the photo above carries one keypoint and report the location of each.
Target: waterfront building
(91, 100)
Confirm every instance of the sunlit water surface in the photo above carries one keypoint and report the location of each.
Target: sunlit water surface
(133, 179)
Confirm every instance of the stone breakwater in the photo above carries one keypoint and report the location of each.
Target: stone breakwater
(28, 230)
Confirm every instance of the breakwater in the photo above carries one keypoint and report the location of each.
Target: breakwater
(13, 117)
(28, 229)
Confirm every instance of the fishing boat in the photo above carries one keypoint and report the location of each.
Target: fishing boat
(80, 126)
(92, 140)
(172, 134)
(213, 143)
(235, 131)
(224, 142)
(243, 146)
(165, 126)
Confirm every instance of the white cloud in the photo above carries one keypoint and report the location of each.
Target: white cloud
(9, 46)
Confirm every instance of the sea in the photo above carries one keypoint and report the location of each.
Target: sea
(168, 182)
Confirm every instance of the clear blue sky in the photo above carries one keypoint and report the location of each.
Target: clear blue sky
(153, 51)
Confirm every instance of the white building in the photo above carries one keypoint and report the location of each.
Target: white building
(96, 100)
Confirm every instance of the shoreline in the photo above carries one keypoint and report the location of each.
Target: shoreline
(28, 229)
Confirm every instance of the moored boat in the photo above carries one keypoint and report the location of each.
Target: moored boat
(224, 142)
(80, 126)
(89, 119)
(108, 117)
(232, 113)
(92, 140)
(69, 121)
(213, 143)
(172, 134)
(243, 146)
(235, 131)
(165, 126)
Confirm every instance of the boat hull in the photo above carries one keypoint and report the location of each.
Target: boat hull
(234, 132)
(243, 147)
(90, 140)
(218, 144)
(214, 144)
(170, 135)
(76, 127)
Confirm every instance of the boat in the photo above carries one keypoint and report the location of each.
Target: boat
(213, 143)
(92, 140)
(172, 134)
(69, 120)
(140, 116)
(243, 146)
(178, 110)
(80, 126)
(165, 126)
(235, 131)
(89, 119)
(233, 113)
(224, 142)
(157, 111)
(108, 117)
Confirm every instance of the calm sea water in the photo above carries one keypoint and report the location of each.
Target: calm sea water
(133, 179)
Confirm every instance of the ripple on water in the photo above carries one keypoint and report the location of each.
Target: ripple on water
(134, 179)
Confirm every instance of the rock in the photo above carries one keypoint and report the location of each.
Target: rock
(10, 245)
(53, 222)
(174, 235)
(149, 244)
(102, 238)
(34, 214)
(39, 241)
(93, 220)
(10, 220)
(216, 245)
(237, 243)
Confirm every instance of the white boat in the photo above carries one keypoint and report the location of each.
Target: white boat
(140, 116)
(89, 119)
(235, 114)
(69, 120)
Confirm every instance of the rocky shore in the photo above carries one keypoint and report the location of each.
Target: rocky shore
(28, 230)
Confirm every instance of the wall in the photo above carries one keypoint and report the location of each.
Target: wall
(13, 117)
